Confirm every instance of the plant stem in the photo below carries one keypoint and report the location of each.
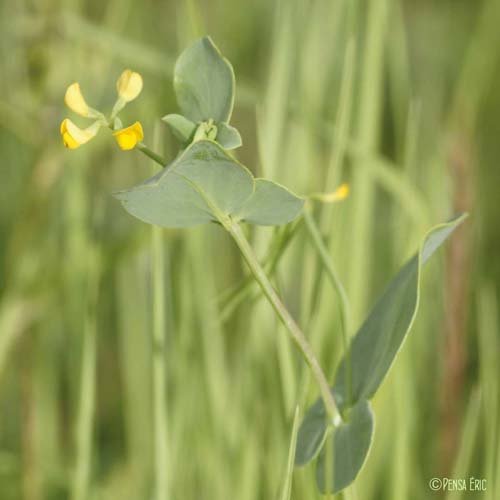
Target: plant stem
(339, 288)
(296, 333)
(143, 148)
(148, 152)
(244, 290)
(260, 276)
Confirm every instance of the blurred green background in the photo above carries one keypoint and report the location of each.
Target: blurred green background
(398, 97)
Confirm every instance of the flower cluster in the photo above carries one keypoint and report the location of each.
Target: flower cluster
(129, 86)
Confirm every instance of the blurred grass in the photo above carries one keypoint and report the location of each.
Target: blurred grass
(397, 97)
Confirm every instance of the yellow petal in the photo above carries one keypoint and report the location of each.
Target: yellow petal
(75, 101)
(129, 85)
(342, 192)
(73, 136)
(127, 138)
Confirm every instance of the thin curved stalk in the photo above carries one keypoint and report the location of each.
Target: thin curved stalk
(244, 291)
(329, 267)
(157, 158)
(296, 333)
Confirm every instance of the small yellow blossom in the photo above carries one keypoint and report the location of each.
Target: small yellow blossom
(129, 85)
(341, 193)
(73, 136)
(127, 138)
(75, 100)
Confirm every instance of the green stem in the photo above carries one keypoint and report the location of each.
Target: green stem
(322, 250)
(148, 152)
(142, 147)
(258, 272)
(244, 290)
(296, 333)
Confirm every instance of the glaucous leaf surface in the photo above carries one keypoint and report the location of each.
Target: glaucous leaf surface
(376, 344)
(311, 434)
(204, 83)
(228, 137)
(270, 204)
(349, 446)
(379, 339)
(205, 184)
(182, 128)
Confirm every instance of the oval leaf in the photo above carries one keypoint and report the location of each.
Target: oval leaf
(228, 137)
(311, 434)
(379, 339)
(182, 128)
(270, 205)
(348, 448)
(204, 83)
(203, 184)
(376, 344)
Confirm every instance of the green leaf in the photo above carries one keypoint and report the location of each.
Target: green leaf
(311, 434)
(182, 128)
(205, 184)
(373, 350)
(228, 137)
(379, 339)
(204, 83)
(270, 205)
(347, 449)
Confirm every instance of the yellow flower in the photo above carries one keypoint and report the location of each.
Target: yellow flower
(73, 136)
(129, 85)
(75, 100)
(341, 193)
(127, 138)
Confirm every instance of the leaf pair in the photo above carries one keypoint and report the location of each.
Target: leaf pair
(205, 184)
(204, 84)
(372, 352)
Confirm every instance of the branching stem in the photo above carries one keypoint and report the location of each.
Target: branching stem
(260, 276)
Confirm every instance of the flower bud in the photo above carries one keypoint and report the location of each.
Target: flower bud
(129, 85)
(75, 100)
